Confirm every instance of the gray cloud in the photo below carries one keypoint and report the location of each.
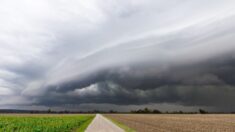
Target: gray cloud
(117, 53)
(191, 85)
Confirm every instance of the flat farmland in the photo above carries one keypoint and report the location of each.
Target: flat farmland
(177, 122)
(44, 122)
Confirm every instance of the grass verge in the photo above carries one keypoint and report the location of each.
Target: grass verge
(124, 127)
(83, 127)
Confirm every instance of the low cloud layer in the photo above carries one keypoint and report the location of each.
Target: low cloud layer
(119, 53)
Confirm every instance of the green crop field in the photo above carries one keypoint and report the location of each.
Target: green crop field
(44, 123)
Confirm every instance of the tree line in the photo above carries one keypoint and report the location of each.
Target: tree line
(138, 111)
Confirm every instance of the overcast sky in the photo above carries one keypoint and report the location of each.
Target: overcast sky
(117, 54)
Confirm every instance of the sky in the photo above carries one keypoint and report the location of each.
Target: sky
(117, 54)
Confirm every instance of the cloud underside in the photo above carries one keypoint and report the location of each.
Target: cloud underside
(210, 83)
(118, 53)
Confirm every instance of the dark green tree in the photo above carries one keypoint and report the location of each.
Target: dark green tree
(201, 111)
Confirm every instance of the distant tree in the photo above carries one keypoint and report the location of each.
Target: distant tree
(112, 111)
(146, 110)
(201, 111)
(139, 111)
(49, 111)
(156, 111)
(133, 111)
(66, 111)
(96, 111)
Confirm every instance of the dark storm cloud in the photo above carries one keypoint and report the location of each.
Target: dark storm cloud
(190, 85)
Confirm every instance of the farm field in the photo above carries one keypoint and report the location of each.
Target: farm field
(44, 122)
(176, 122)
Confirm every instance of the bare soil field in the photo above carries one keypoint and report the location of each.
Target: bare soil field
(177, 122)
